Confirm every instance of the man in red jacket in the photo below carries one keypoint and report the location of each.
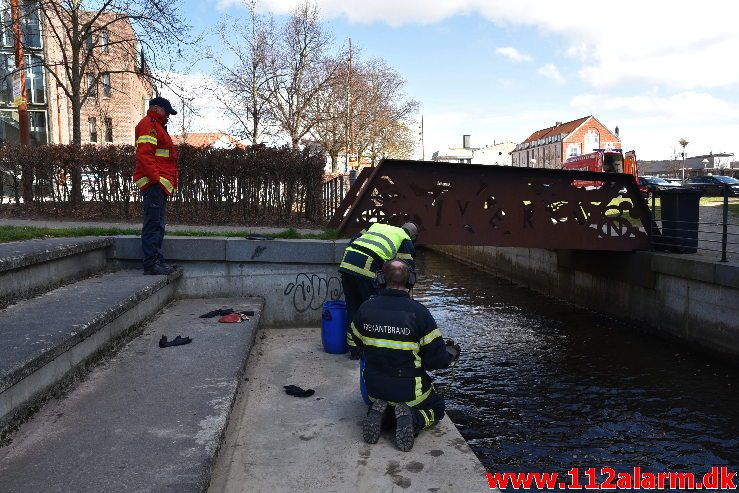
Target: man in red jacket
(156, 176)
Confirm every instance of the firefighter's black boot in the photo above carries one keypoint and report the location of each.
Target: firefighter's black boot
(373, 422)
(404, 432)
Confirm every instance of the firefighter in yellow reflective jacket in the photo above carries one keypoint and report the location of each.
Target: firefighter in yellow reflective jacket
(365, 255)
(400, 342)
(156, 176)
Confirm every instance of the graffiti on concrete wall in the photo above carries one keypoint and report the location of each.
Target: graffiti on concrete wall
(310, 291)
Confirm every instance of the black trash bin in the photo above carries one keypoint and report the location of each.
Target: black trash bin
(680, 217)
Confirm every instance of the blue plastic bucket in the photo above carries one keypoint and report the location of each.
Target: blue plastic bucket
(362, 386)
(333, 327)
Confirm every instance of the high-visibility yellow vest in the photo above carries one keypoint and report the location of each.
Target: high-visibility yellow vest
(379, 243)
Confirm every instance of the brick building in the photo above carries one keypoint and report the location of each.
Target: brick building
(117, 92)
(549, 147)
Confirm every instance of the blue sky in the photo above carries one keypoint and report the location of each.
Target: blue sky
(499, 70)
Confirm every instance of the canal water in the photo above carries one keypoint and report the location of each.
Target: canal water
(543, 385)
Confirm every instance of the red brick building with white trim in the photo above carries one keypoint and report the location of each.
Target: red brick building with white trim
(550, 147)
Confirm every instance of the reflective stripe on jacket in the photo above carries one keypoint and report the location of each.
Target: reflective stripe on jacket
(400, 341)
(380, 242)
(156, 155)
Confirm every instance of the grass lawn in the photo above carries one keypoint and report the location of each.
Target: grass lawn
(718, 202)
(704, 202)
(16, 233)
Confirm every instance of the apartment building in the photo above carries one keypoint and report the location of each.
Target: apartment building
(551, 146)
(117, 91)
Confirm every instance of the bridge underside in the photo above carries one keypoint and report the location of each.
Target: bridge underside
(468, 204)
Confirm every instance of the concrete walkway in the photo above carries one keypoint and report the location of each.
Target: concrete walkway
(61, 224)
(275, 442)
(147, 420)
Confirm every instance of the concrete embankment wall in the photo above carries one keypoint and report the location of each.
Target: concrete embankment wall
(295, 277)
(685, 298)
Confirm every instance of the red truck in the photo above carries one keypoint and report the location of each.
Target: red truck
(603, 160)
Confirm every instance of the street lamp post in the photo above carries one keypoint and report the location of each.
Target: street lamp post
(683, 143)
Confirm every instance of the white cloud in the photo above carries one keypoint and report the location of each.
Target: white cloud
(551, 72)
(653, 124)
(693, 106)
(513, 54)
(685, 44)
(191, 95)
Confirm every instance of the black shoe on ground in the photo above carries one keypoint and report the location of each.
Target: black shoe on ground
(158, 270)
(373, 421)
(404, 432)
(172, 267)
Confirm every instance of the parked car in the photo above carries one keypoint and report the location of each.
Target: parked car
(677, 181)
(714, 185)
(648, 185)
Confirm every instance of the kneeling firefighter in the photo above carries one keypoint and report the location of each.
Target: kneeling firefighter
(364, 256)
(400, 341)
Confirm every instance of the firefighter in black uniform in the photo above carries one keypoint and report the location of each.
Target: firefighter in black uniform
(364, 256)
(400, 341)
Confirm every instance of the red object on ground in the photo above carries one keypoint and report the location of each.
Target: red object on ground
(234, 317)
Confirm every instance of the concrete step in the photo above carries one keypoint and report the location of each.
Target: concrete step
(147, 420)
(28, 268)
(45, 338)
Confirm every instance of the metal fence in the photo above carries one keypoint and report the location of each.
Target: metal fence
(334, 190)
(685, 224)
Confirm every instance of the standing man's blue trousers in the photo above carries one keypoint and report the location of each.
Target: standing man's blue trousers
(152, 233)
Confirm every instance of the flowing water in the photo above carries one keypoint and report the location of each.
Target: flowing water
(543, 385)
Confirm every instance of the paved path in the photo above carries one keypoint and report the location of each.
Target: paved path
(709, 234)
(275, 442)
(61, 224)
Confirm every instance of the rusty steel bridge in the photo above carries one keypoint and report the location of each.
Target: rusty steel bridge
(469, 204)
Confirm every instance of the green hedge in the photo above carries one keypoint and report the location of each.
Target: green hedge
(256, 185)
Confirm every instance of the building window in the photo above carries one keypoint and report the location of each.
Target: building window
(9, 127)
(37, 124)
(30, 25)
(104, 39)
(573, 149)
(592, 140)
(89, 42)
(93, 125)
(35, 92)
(109, 130)
(92, 87)
(7, 66)
(106, 85)
(7, 25)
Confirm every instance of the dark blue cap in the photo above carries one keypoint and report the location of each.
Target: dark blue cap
(162, 103)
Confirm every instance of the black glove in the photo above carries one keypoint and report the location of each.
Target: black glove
(453, 348)
(218, 313)
(296, 391)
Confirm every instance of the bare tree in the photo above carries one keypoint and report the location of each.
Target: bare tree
(299, 72)
(382, 113)
(86, 39)
(247, 88)
(331, 128)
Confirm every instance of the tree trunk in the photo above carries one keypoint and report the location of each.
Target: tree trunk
(76, 171)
